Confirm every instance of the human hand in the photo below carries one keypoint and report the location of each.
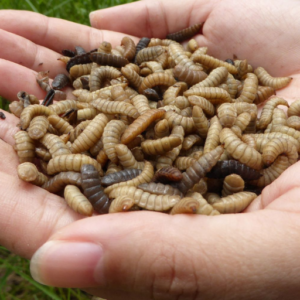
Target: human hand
(193, 256)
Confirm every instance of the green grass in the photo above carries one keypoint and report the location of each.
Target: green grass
(15, 279)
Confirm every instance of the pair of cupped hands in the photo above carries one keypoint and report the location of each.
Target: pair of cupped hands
(149, 255)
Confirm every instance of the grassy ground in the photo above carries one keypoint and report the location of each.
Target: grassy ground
(15, 279)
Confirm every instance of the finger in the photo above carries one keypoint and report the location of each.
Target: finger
(29, 54)
(29, 214)
(187, 259)
(8, 127)
(53, 33)
(151, 18)
(15, 78)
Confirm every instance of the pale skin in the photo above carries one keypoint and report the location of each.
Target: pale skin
(147, 255)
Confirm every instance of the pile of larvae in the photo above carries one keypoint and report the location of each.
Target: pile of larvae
(156, 126)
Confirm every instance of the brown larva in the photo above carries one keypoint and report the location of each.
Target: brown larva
(105, 47)
(129, 47)
(173, 91)
(134, 79)
(188, 75)
(55, 145)
(266, 115)
(111, 137)
(126, 158)
(184, 162)
(167, 175)
(60, 81)
(145, 199)
(232, 184)
(186, 205)
(239, 150)
(142, 43)
(159, 189)
(80, 70)
(186, 33)
(294, 109)
(141, 103)
(43, 153)
(112, 107)
(149, 54)
(27, 171)
(121, 204)
(205, 208)
(38, 127)
(293, 122)
(60, 124)
(108, 59)
(206, 106)
(25, 147)
(77, 201)
(266, 79)
(90, 135)
(191, 140)
(249, 90)
(212, 63)
(100, 74)
(234, 203)
(93, 190)
(175, 119)
(160, 146)
(198, 169)
(71, 162)
(227, 114)
(156, 79)
(200, 121)
(161, 129)
(140, 124)
(213, 135)
(215, 78)
(215, 95)
(16, 108)
(63, 106)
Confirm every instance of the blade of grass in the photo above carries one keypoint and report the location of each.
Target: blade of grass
(31, 5)
(49, 12)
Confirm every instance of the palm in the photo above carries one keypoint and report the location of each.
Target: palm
(28, 219)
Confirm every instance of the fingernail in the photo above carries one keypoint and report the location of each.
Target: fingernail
(66, 263)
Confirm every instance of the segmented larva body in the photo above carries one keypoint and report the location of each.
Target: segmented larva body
(129, 47)
(278, 146)
(227, 114)
(145, 199)
(93, 190)
(279, 117)
(71, 162)
(83, 58)
(161, 129)
(215, 95)
(42, 153)
(61, 125)
(267, 112)
(115, 107)
(16, 107)
(175, 119)
(108, 59)
(249, 90)
(206, 106)
(200, 187)
(126, 158)
(80, 70)
(185, 34)
(184, 162)
(198, 169)
(100, 74)
(121, 204)
(213, 63)
(239, 150)
(205, 208)
(152, 66)
(234, 203)
(226, 167)
(215, 78)
(63, 106)
(191, 140)
(173, 91)
(38, 127)
(140, 124)
(186, 205)
(200, 121)
(232, 85)
(287, 130)
(105, 47)
(60, 81)
(213, 135)
(75, 132)
(59, 181)
(293, 122)
(212, 198)
(90, 135)
(266, 79)
(159, 189)
(32, 111)
(167, 175)
(161, 146)
(232, 183)
(134, 79)
(142, 43)
(156, 79)
(77, 201)
(242, 67)
(86, 113)
(149, 54)
(242, 121)
(27, 171)
(111, 137)
(55, 145)
(263, 93)
(141, 103)
(144, 177)
(191, 77)
(273, 172)
(294, 109)
(25, 146)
